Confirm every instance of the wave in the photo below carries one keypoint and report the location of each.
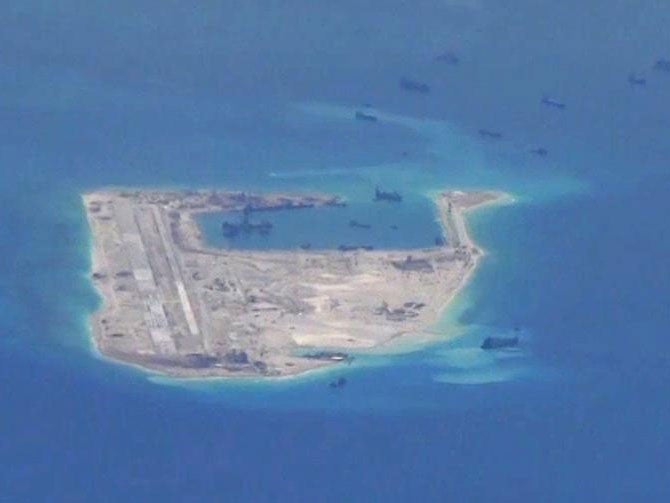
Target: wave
(473, 365)
(314, 173)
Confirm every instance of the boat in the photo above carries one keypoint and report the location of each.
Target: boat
(662, 65)
(358, 225)
(414, 86)
(449, 58)
(487, 133)
(347, 248)
(339, 383)
(362, 116)
(551, 102)
(232, 229)
(229, 229)
(500, 343)
(392, 196)
(336, 356)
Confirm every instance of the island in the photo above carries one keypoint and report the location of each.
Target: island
(174, 305)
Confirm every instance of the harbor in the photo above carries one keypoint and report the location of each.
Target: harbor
(359, 223)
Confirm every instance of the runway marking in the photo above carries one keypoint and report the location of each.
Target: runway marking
(176, 273)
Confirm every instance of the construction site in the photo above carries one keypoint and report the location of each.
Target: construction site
(173, 305)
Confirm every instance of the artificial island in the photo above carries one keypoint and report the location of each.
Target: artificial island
(175, 305)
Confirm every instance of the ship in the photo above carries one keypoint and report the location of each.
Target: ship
(348, 248)
(414, 86)
(362, 116)
(499, 343)
(487, 133)
(393, 196)
(358, 225)
(339, 383)
(232, 229)
(540, 151)
(335, 356)
(449, 58)
(551, 102)
(662, 65)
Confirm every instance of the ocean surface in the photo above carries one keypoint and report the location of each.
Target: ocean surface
(261, 96)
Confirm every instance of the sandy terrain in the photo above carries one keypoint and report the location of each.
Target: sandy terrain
(173, 305)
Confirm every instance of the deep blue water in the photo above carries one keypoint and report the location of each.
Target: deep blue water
(260, 96)
(409, 224)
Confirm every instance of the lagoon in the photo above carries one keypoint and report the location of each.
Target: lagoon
(408, 225)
